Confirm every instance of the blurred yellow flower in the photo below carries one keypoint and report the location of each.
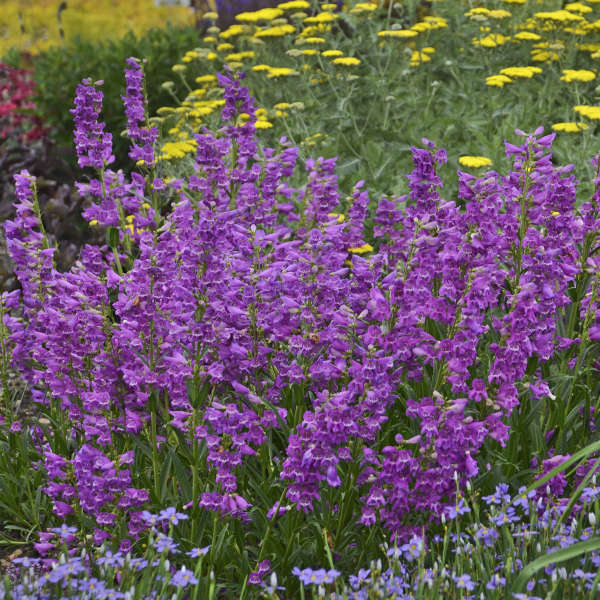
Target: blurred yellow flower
(578, 7)
(324, 17)
(418, 58)
(239, 56)
(559, 16)
(206, 78)
(178, 68)
(313, 40)
(263, 124)
(527, 35)
(330, 53)
(591, 112)
(361, 249)
(225, 46)
(491, 41)
(277, 31)
(280, 72)
(265, 14)
(497, 80)
(294, 5)
(570, 127)
(261, 68)
(347, 61)
(397, 33)
(570, 75)
(474, 162)
(362, 7)
(523, 72)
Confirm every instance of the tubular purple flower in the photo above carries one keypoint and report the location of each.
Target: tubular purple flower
(92, 143)
(135, 103)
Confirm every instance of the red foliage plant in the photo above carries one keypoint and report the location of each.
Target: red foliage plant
(16, 90)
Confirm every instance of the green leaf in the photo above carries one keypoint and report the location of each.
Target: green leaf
(556, 557)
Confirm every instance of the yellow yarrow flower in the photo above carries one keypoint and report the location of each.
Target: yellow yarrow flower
(397, 33)
(233, 31)
(323, 17)
(347, 61)
(178, 68)
(570, 75)
(418, 58)
(277, 31)
(263, 124)
(330, 53)
(294, 5)
(361, 249)
(527, 35)
(261, 68)
(569, 127)
(492, 40)
(313, 40)
(362, 7)
(578, 7)
(225, 46)
(281, 72)
(591, 112)
(497, 80)
(239, 56)
(265, 14)
(559, 16)
(206, 78)
(522, 72)
(475, 162)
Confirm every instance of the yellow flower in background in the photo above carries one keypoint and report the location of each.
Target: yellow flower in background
(578, 7)
(478, 13)
(514, 1)
(474, 162)
(313, 40)
(591, 112)
(281, 72)
(225, 46)
(497, 80)
(570, 75)
(558, 16)
(418, 58)
(436, 22)
(330, 53)
(527, 35)
(324, 17)
(294, 5)
(543, 56)
(569, 127)
(265, 14)
(233, 31)
(178, 68)
(263, 124)
(339, 216)
(397, 33)
(261, 68)
(492, 40)
(347, 61)
(206, 79)
(522, 72)
(277, 31)
(239, 56)
(362, 7)
(361, 249)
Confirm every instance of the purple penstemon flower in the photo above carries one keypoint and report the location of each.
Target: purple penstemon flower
(93, 144)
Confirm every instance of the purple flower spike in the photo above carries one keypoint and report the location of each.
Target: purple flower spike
(135, 102)
(93, 144)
